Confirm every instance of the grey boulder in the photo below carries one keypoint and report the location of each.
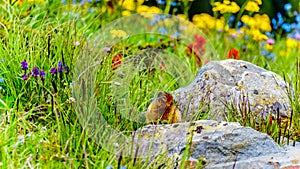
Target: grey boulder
(218, 144)
(222, 87)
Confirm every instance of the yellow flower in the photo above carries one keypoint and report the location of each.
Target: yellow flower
(118, 33)
(181, 16)
(257, 35)
(126, 13)
(248, 20)
(142, 8)
(145, 8)
(226, 7)
(226, 2)
(204, 21)
(259, 2)
(252, 6)
(269, 47)
(263, 22)
(154, 9)
(127, 4)
(291, 43)
(220, 24)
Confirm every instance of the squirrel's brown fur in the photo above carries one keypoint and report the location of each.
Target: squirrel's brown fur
(163, 109)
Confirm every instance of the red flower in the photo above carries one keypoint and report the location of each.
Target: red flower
(233, 53)
(196, 48)
(162, 66)
(270, 120)
(116, 61)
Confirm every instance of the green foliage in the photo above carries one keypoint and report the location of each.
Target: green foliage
(38, 125)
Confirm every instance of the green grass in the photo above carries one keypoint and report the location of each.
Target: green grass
(38, 123)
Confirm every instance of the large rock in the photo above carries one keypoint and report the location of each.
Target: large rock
(221, 144)
(237, 85)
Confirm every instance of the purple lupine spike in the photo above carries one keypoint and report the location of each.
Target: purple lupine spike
(35, 72)
(24, 65)
(53, 71)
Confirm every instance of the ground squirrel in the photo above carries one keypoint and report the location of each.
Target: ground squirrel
(163, 109)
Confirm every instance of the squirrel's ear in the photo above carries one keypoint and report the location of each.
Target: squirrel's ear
(160, 94)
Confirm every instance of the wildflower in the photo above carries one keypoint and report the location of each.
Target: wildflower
(84, 1)
(264, 52)
(127, 5)
(154, 9)
(109, 167)
(291, 43)
(269, 47)
(287, 6)
(60, 67)
(126, 13)
(53, 71)
(106, 49)
(297, 36)
(77, 43)
(271, 56)
(231, 20)
(116, 61)
(204, 21)
(161, 2)
(286, 27)
(252, 6)
(163, 31)
(118, 33)
(67, 69)
(175, 35)
(25, 77)
(270, 41)
(259, 2)
(24, 65)
(173, 4)
(35, 72)
(226, 7)
(258, 36)
(42, 75)
(196, 48)
(142, 8)
(233, 53)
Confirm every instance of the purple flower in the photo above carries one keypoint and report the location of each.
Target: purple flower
(53, 71)
(25, 77)
(60, 67)
(297, 36)
(42, 74)
(270, 41)
(24, 65)
(106, 49)
(67, 69)
(35, 72)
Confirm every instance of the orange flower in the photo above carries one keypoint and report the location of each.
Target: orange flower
(116, 61)
(233, 53)
(196, 48)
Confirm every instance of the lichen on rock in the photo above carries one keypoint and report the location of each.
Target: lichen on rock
(221, 85)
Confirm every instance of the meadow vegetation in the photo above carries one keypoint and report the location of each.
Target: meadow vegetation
(42, 40)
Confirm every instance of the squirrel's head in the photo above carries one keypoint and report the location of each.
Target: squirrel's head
(163, 109)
